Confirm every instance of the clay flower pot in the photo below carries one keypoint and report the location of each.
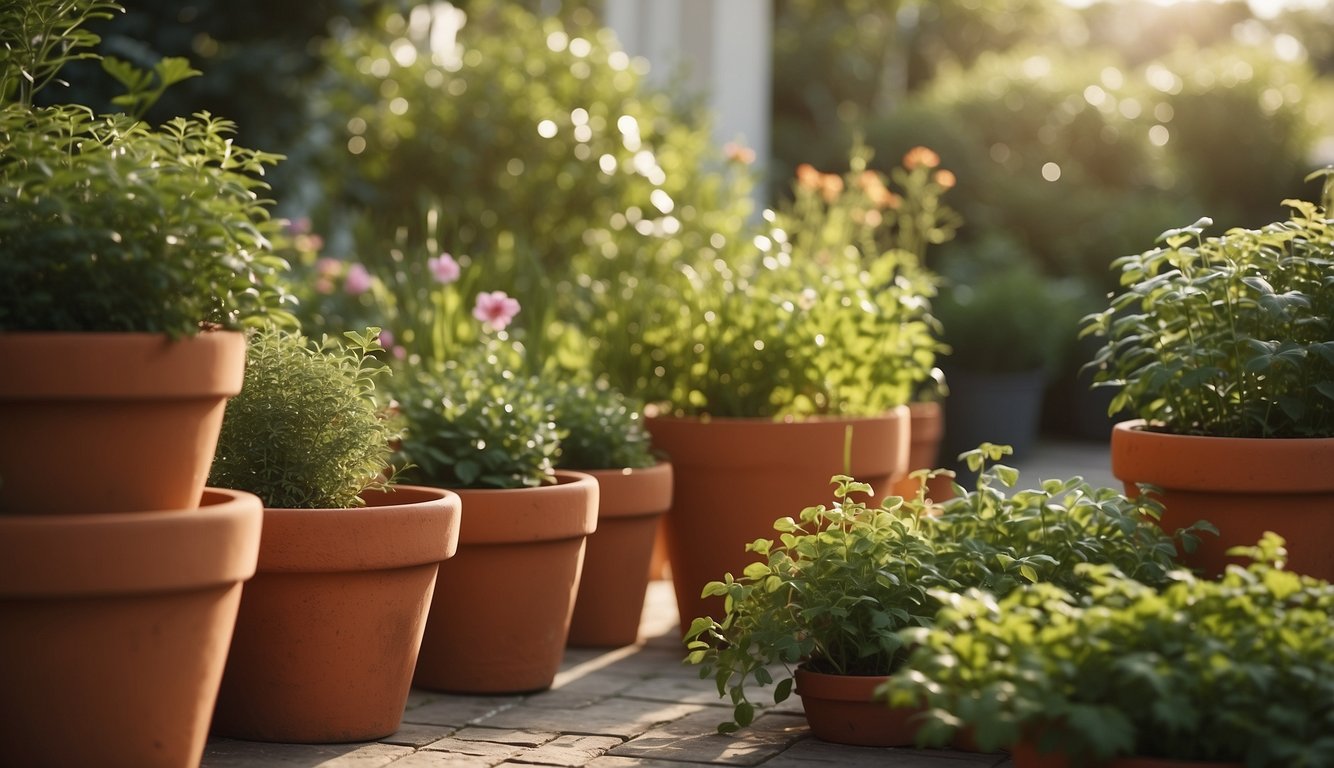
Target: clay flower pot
(117, 625)
(927, 429)
(502, 606)
(1244, 486)
(330, 627)
(112, 404)
(610, 601)
(842, 709)
(732, 478)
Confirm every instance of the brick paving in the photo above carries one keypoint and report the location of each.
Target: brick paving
(633, 707)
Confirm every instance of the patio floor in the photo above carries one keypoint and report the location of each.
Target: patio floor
(637, 706)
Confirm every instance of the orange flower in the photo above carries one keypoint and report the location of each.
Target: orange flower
(831, 186)
(876, 190)
(944, 178)
(807, 176)
(920, 156)
(739, 153)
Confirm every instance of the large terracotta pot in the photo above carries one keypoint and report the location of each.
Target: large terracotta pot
(1244, 486)
(927, 429)
(114, 629)
(109, 405)
(842, 709)
(502, 606)
(732, 478)
(610, 602)
(330, 626)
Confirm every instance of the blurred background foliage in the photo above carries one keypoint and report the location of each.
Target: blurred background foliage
(1077, 134)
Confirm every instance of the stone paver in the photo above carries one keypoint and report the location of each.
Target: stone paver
(812, 753)
(227, 753)
(458, 711)
(694, 739)
(624, 718)
(571, 751)
(418, 736)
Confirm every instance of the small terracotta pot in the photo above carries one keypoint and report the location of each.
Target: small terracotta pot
(610, 602)
(330, 627)
(732, 478)
(1244, 486)
(927, 429)
(502, 606)
(842, 709)
(112, 404)
(117, 625)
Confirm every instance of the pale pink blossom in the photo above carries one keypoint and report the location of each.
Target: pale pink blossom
(444, 268)
(357, 281)
(495, 309)
(328, 265)
(386, 338)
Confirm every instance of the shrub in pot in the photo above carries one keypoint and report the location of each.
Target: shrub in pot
(330, 627)
(603, 435)
(832, 594)
(1221, 345)
(1232, 671)
(813, 333)
(129, 254)
(500, 619)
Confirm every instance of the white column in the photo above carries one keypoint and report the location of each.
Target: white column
(721, 49)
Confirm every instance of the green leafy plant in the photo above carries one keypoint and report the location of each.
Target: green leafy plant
(109, 224)
(478, 424)
(1235, 670)
(1227, 335)
(841, 582)
(601, 428)
(826, 311)
(307, 430)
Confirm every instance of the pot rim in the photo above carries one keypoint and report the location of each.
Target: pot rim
(1224, 464)
(566, 510)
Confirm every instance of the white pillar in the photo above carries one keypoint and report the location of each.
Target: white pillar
(721, 49)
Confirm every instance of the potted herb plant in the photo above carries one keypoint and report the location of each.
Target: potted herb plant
(791, 357)
(832, 595)
(501, 617)
(129, 256)
(330, 627)
(1221, 346)
(603, 435)
(1229, 672)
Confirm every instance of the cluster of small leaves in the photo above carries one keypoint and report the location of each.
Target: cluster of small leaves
(307, 430)
(37, 40)
(826, 312)
(999, 540)
(839, 586)
(477, 424)
(600, 428)
(832, 592)
(1235, 670)
(1227, 336)
(109, 224)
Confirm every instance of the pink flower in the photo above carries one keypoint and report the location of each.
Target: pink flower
(445, 269)
(328, 265)
(495, 309)
(358, 280)
(387, 339)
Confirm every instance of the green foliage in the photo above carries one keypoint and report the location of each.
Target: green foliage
(1235, 670)
(552, 171)
(839, 585)
(1229, 335)
(827, 311)
(307, 430)
(601, 428)
(39, 37)
(477, 425)
(108, 224)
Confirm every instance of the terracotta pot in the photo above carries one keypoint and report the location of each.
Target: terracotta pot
(659, 567)
(610, 601)
(927, 429)
(1244, 486)
(111, 404)
(330, 626)
(114, 629)
(732, 478)
(842, 709)
(501, 612)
